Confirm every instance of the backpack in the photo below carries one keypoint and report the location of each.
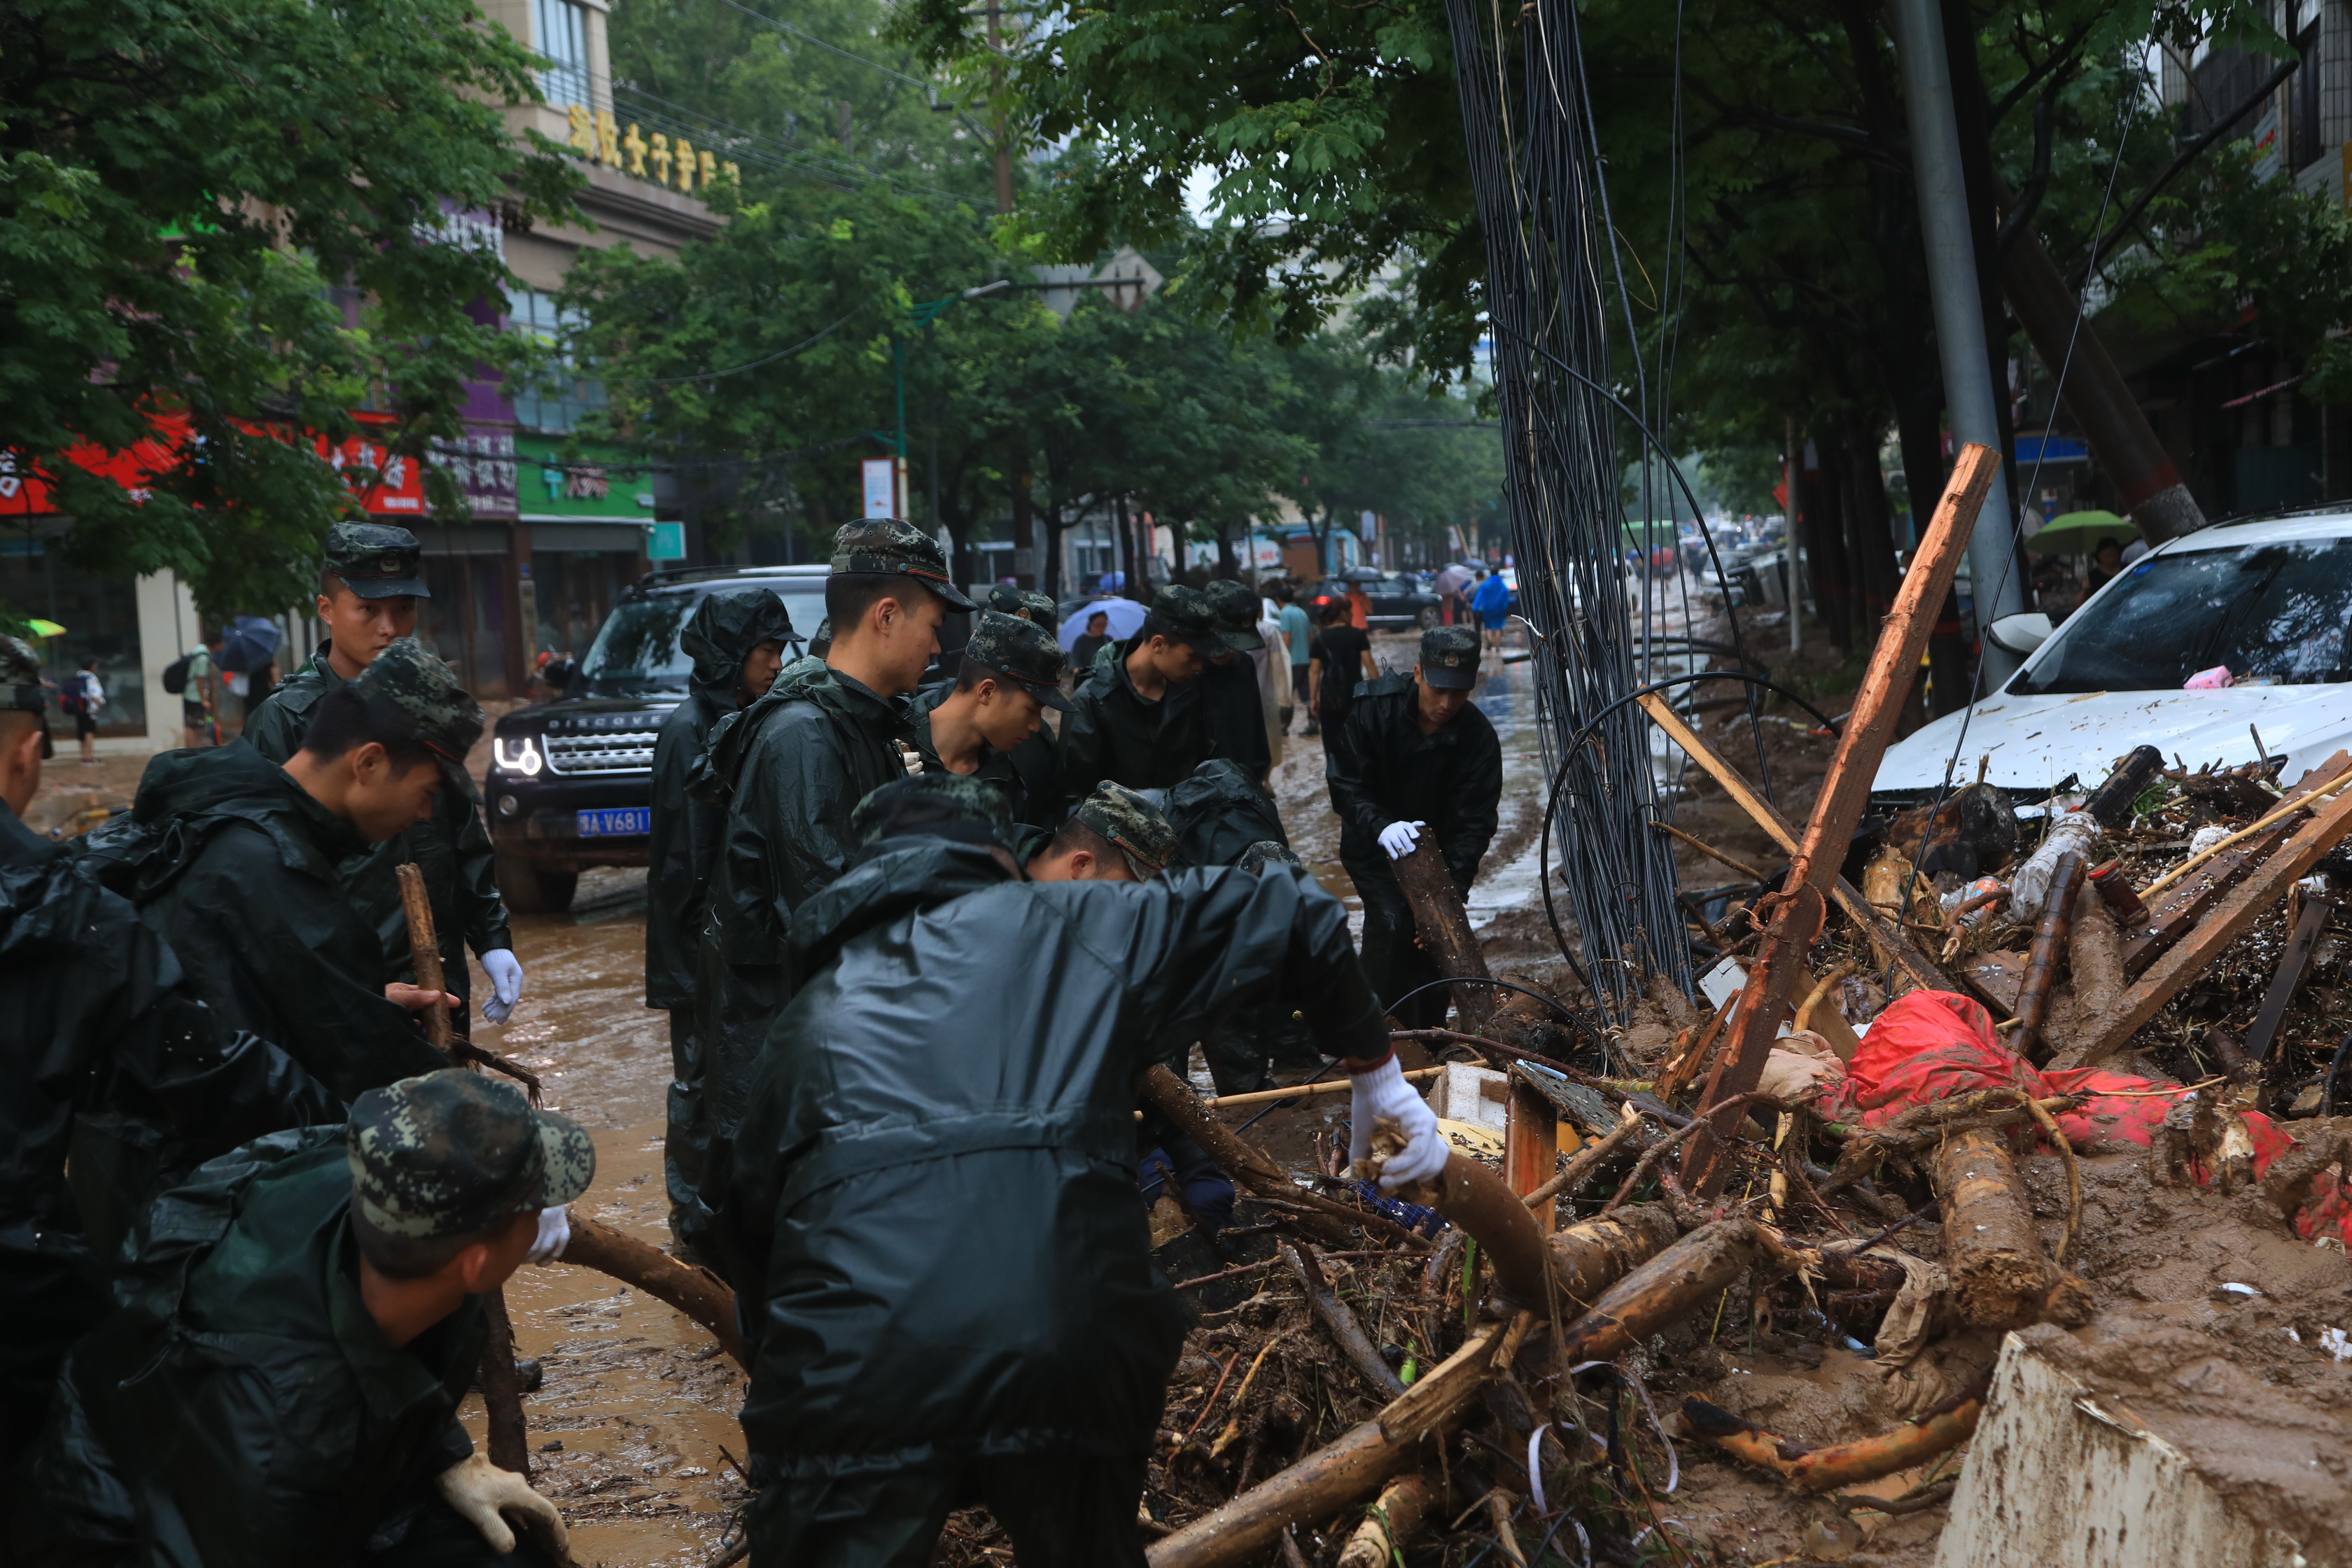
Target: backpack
(175, 675)
(70, 700)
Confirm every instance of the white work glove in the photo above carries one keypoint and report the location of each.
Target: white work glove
(480, 1489)
(555, 1231)
(505, 984)
(1383, 1092)
(1397, 837)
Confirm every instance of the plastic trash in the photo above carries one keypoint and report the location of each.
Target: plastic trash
(2217, 679)
(1961, 895)
(2077, 831)
(2207, 836)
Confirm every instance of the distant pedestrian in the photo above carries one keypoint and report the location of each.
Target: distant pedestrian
(1300, 633)
(1359, 607)
(1091, 642)
(2106, 565)
(1343, 656)
(196, 698)
(1491, 602)
(83, 696)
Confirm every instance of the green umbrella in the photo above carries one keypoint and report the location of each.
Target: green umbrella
(2079, 533)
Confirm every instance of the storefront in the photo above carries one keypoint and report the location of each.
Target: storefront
(583, 523)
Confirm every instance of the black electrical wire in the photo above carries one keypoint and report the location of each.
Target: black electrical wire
(2327, 1084)
(1560, 1007)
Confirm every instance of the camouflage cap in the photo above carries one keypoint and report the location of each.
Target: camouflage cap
(822, 636)
(1022, 652)
(1133, 825)
(1182, 615)
(887, 546)
(446, 719)
(1449, 658)
(1004, 601)
(20, 684)
(1237, 608)
(453, 1152)
(1041, 608)
(956, 807)
(376, 560)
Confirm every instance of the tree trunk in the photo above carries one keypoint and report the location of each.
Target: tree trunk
(1825, 548)
(1870, 528)
(1991, 1250)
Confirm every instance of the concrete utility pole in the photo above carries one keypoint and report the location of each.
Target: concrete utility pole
(1998, 586)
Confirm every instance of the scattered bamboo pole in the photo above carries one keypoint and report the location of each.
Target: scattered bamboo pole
(1330, 1086)
(2049, 945)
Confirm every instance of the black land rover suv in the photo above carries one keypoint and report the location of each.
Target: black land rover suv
(571, 780)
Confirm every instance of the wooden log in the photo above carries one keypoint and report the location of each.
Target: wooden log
(2049, 934)
(1799, 910)
(1991, 1250)
(1334, 1315)
(1444, 926)
(2290, 863)
(698, 1292)
(1675, 1282)
(1380, 1540)
(1478, 1201)
(424, 953)
(501, 1380)
(1593, 1255)
(1935, 1431)
(1894, 947)
(1339, 1473)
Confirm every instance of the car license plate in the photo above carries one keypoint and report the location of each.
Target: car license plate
(617, 822)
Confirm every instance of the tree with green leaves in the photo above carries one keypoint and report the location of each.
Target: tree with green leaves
(238, 214)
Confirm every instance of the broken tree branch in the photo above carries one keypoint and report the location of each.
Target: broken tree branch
(1335, 1315)
(698, 1292)
(1935, 1431)
(1444, 926)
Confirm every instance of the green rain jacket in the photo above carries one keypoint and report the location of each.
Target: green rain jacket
(1383, 769)
(106, 1052)
(232, 863)
(1113, 732)
(791, 768)
(244, 1410)
(452, 848)
(684, 844)
(930, 1212)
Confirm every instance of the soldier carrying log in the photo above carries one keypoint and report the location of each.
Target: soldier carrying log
(1414, 756)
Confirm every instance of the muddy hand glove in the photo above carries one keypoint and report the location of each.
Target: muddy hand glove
(555, 1231)
(1397, 837)
(479, 1489)
(505, 984)
(1381, 1091)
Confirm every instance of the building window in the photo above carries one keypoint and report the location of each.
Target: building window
(556, 404)
(561, 27)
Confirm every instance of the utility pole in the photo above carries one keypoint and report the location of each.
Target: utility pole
(1953, 284)
(996, 90)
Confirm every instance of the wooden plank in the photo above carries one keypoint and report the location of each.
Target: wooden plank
(1798, 913)
(2228, 921)
(1531, 1145)
(1914, 965)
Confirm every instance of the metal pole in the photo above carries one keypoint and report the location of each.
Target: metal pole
(1952, 282)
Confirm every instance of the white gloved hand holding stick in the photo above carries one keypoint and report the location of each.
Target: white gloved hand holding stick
(1381, 1091)
(480, 1491)
(1398, 838)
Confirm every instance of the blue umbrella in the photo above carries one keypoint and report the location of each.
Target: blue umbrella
(251, 645)
(1125, 615)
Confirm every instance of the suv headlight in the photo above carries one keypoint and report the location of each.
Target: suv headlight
(518, 756)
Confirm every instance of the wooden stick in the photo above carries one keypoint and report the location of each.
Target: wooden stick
(1675, 1282)
(1337, 1474)
(1799, 910)
(1891, 943)
(1936, 1431)
(510, 1438)
(1991, 1250)
(2272, 818)
(1693, 1061)
(1333, 1313)
(1444, 927)
(1380, 1539)
(1710, 851)
(698, 1292)
(1334, 1085)
(1587, 1162)
(2050, 940)
(1496, 1218)
(424, 952)
(2245, 904)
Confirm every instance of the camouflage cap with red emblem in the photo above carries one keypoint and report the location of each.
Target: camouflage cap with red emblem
(440, 715)
(883, 546)
(377, 560)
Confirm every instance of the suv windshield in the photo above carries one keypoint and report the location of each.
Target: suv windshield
(636, 650)
(2274, 614)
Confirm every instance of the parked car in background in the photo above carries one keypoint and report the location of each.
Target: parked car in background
(570, 780)
(1399, 603)
(2267, 599)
